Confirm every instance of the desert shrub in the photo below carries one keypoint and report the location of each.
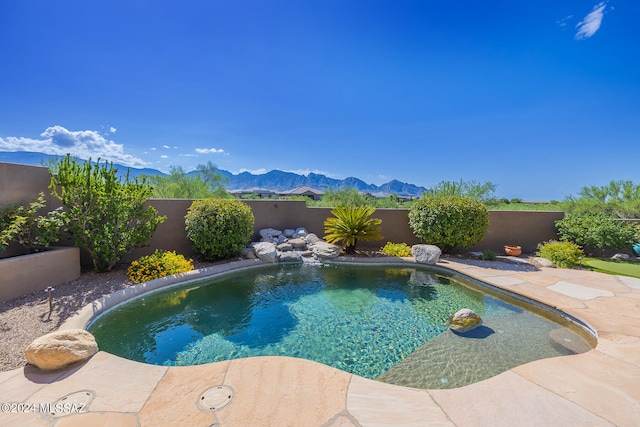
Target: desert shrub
(350, 224)
(562, 254)
(449, 221)
(105, 214)
(597, 231)
(23, 224)
(219, 228)
(159, 264)
(396, 249)
(488, 255)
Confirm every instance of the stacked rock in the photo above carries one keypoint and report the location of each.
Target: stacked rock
(290, 245)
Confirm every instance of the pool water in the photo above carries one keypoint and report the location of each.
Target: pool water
(385, 323)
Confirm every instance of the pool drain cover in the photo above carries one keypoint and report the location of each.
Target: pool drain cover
(215, 398)
(74, 403)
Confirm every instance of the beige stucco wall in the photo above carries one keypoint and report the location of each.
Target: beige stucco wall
(30, 273)
(525, 228)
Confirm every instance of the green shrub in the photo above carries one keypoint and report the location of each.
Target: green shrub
(562, 254)
(159, 264)
(597, 231)
(105, 214)
(350, 224)
(449, 221)
(396, 249)
(488, 255)
(23, 224)
(219, 228)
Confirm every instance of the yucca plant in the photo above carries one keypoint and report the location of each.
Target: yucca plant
(350, 224)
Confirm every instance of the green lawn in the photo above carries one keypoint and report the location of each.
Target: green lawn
(614, 266)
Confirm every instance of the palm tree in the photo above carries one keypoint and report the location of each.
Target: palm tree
(351, 223)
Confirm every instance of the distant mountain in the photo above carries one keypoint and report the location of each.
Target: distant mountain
(275, 180)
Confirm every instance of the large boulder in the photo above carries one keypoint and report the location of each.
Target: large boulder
(324, 250)
(268, 233)
(426, 254)
(464, 320)
(61, 348)
(266, 251)
(298, 243)
(311, 239)
(291, 257)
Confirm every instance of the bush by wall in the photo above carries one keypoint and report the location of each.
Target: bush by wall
(449, 221)
(562, 254)
(219, 228)
(157, 265)
(396, 249)
(597, 231)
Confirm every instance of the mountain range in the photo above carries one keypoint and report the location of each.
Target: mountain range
(274, 180)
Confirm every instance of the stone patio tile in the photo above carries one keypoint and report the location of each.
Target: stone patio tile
(188, 383)
(23, 419)
(505, 281)
(629, 307)
(341, 421)
(600, 383)
(510, 400)
(109, 419)
(373, 403)
(119, 384)
(545, 296)
(537, 278)
(580, 292)
(604, 322)
(20, 384)
(630, 282)
(622, 347)
(283, 391)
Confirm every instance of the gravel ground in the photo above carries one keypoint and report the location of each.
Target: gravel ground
(26, 318)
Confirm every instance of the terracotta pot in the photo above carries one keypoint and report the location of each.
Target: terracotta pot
(512, 250)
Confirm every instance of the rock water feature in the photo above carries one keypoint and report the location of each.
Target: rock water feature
(290, 246)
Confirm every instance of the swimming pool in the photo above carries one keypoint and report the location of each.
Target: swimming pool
(380, 322)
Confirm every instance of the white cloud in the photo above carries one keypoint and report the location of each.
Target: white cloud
(591, 23)
(253, 171)
(188, 155)
(85, 144)
(112, 129)
(563, 22)
(209, 150)
(166, 146)
(164, 156)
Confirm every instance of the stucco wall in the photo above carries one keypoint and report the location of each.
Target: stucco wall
(19, 183)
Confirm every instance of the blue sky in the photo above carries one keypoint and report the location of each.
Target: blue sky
(539, 97)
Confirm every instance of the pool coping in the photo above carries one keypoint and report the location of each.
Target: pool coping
(599, 387)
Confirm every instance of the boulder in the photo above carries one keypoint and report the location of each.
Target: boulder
(270, 233)
(248, 253)
(324, 250)
(61, 348)
(288, 233)
(298, 243)
(301, 232)
(291, 256)
(285, 247)
(426, 254)
(542, 262)
(311, 239)
(464, 320)
(620, 256)
(266, 251)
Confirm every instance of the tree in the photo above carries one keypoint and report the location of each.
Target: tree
(466, 189)
(178, 184)
(106, 215)
(347, 196)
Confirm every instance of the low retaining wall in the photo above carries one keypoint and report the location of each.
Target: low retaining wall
(22, 275)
